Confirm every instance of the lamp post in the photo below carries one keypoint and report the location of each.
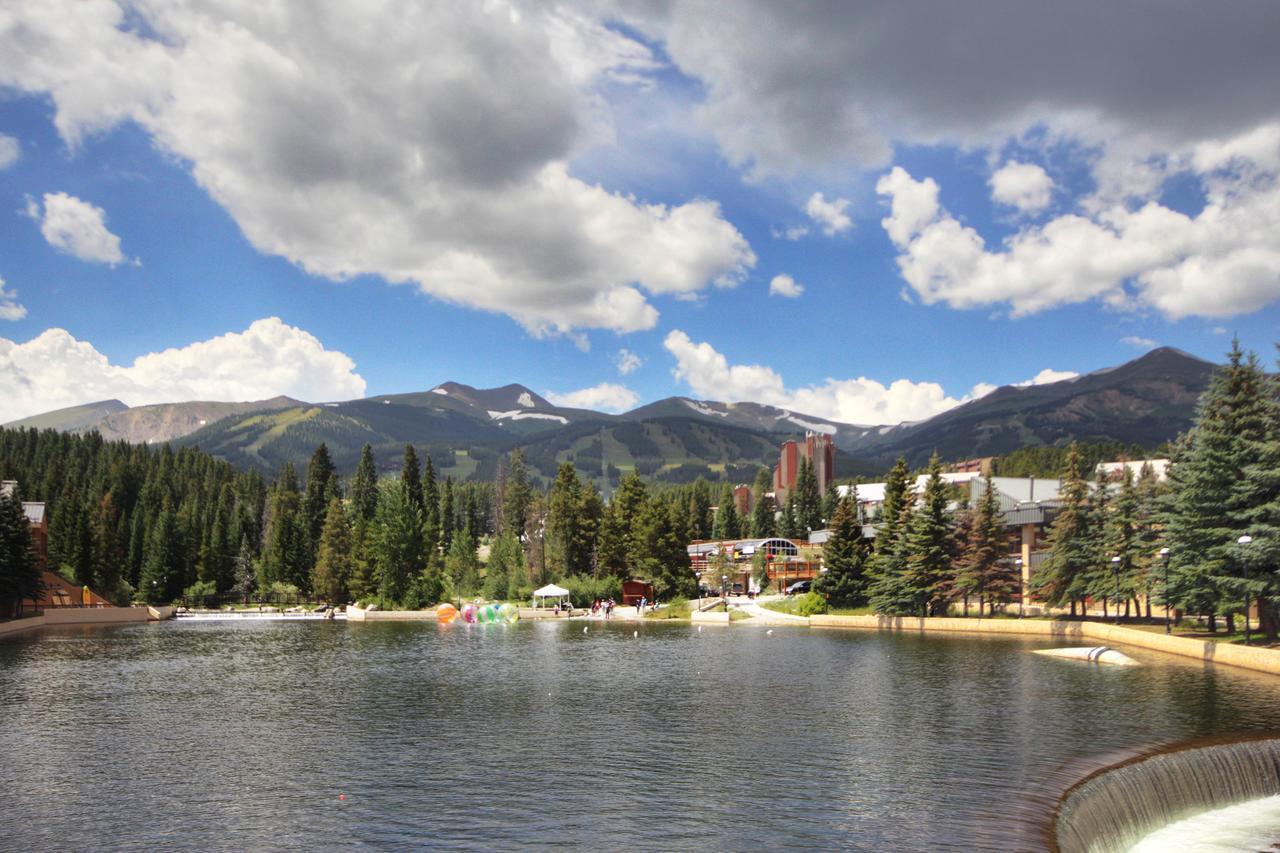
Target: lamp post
(698, 577)
(1245, 540)
(1164, 557)
(724, 590)
(1115, 573)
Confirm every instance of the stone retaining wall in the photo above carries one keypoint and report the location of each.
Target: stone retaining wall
(1260, 659)
(87, 616)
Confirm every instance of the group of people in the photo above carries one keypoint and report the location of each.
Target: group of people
(604, 606)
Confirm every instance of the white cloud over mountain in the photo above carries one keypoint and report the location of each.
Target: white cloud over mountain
(55, 370)
(856, 401)
(427, 144)
(627, 362)
(77, 228)
(605, 397)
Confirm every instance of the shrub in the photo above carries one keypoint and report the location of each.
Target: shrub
(584, 590)
(198, 591)
(810, 603)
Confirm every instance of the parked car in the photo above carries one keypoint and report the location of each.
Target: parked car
(799, 587)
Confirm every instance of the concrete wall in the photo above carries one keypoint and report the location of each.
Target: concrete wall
(26, 624)
(1247, 657)
(356, 614)
(95, 615)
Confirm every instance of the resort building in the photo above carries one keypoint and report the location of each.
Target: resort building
(818, 449)
(731, 562)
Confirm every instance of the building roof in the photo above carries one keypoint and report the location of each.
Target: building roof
(34, 512)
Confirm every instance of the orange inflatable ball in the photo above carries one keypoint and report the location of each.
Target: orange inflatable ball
(446, 613)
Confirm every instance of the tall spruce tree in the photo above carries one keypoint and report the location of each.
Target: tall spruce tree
(1206, 508)
(982, 569)
(808, 506)
(726, 524)
(1257, 499)
(888, 591)
(1063, 577)
(398, 551)
(334, 563)
(930, 546)
(845, 556)
(516, 500)
(19, 575)
(763, 523)
(411, 478)
(322, 487)
(364, 486)
(566, 555)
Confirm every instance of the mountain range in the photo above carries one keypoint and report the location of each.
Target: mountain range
(466, 430)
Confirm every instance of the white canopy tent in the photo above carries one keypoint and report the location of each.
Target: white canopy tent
(549, 591)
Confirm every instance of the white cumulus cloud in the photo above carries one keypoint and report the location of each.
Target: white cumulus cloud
(76, 227)
(10, 151)
(55, 370)
(830, 215)
(1025, 186)
(10, 308)
(627, 362)
(785, 285)
(425, 143)
(1139, 342)
(1222, 261)
(605, 397)
(858, 401)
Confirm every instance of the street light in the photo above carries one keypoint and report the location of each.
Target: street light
(1164, 556)
(1115, 572)
(1245, 540)
(724, 590)
(698, 577)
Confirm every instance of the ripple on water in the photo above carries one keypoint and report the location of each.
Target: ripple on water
(243, 735)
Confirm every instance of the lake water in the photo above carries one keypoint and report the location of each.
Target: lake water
(390, 735)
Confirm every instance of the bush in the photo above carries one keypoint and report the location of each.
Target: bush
(676, 608)
(810, 604)
(198, 591)
(584, 590)
(282, 590)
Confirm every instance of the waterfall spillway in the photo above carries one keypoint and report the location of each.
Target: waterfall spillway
(1115, 808)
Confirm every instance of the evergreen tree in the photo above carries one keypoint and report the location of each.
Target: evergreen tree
(411, 478)
(431, 526)
(161, 579)
(726, 524)
(982, 569)
(930, 546)
(322, 487)
(1207, 506)
(506, 572)
(448, 522)
(700, 522)
(515, 506)
(763, 524)
(244, 570)
(663, 557)
(830, 502)
(284, 555)
(788, 525)
(566, 554)
(1063, 578)
(844, 584)
(398, 548)
(19, 575)
(888, 591)
(334, 563)
(1257, 499)
(108, 553)
(364, 486)
(1122, 538)
(808, 501)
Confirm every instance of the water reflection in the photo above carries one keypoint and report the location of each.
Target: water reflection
(235, 735)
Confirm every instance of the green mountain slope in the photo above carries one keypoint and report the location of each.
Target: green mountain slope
(73, 418)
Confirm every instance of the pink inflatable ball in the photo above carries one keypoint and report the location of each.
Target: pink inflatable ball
(469, 614)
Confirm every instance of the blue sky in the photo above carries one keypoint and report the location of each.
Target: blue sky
(597, 201)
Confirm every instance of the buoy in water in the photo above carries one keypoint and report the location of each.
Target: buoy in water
(584, 630)
(342, 796)
(769, 632)
(635, 633)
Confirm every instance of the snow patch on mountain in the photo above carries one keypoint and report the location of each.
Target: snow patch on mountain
(526, 400)
(703, 410)
(826, 429)
(517, 415)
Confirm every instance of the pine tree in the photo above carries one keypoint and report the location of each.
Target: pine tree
(888, 591)
(1064, 575)
(447, 515)
(334, 563)
(566, 555)
(322, 487)
(1257, 499)
(461, 565)
(830, 502)
(398, 549)
(1207, 506)
(506, 572)
(411, 478)
(845, 556)
(930, 546)
(808, 501)
(161, 579)
(284, 554)
(726, 524)
(515, 507)
(1122, 538)
(700, 521)
(19, 575)
(763, 524)
(364, 486)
